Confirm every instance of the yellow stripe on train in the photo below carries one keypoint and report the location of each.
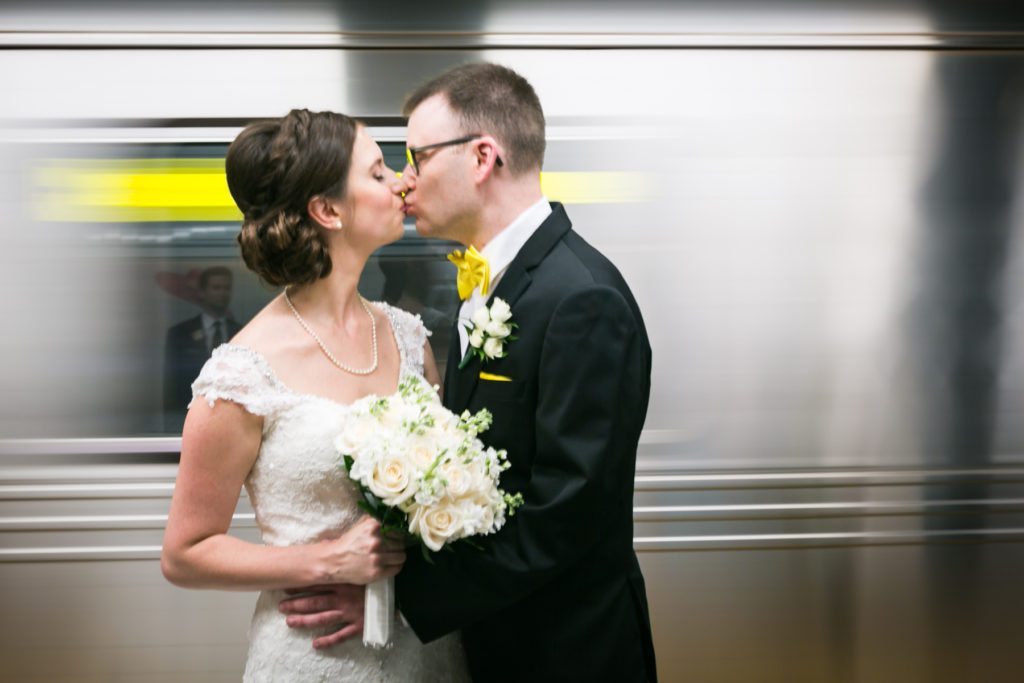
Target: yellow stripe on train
(195, 190)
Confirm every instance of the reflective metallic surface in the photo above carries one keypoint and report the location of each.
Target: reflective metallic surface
(818, 208)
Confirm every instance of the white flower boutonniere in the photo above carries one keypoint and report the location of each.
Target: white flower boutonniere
(489, 330)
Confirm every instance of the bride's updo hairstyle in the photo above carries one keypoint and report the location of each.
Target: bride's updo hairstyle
(273, 169)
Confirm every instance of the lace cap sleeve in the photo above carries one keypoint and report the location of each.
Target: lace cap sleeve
(239, 374)
(412, 335)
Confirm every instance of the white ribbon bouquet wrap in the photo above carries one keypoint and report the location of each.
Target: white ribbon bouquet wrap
(421, 471)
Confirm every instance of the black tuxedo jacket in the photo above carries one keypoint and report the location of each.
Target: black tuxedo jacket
(185, 352)
(557, 595)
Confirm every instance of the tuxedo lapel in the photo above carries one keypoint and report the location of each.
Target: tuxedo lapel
(510, 288)
(452, 367)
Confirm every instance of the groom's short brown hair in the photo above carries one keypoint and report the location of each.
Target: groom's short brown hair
(495, 100)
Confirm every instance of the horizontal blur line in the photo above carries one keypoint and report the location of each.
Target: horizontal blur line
(852, 538)
(103, 522)
(640, 544)
(108, 446)
(169, 190)
(416, 40)
(778, 480)
(235, 124)
(86, 491)
(641, 514)
(682, 513)
(72, 553)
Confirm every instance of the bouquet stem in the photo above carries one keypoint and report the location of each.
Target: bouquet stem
(379, 614)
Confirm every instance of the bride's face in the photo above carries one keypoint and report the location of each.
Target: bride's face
(374, 201)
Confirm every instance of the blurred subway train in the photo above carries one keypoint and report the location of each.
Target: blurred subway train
(819, 207)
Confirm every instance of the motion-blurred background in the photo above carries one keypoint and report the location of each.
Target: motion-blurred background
(820, 208)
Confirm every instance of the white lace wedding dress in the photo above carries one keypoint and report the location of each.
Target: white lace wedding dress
(301, 494)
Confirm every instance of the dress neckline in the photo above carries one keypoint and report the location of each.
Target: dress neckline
(269, 373)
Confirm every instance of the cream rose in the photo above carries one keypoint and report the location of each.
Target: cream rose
(459, 480)
(391, 480)
(354, 435)
(436, 524)
(421, 455)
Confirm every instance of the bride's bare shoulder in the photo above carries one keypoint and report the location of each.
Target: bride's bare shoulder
(267, 330)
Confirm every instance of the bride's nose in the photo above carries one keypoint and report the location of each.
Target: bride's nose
(401, 183)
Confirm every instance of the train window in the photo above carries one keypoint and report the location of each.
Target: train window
(150, 279)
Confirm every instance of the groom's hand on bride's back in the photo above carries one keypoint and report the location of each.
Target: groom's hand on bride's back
(361, 555)
(338, 604)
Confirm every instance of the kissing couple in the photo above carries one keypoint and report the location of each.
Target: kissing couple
(555, 595)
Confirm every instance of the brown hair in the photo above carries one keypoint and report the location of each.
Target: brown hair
(212, 272)
(273, 169)
(495, 100)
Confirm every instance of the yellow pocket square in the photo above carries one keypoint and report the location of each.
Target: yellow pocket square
(494, 378)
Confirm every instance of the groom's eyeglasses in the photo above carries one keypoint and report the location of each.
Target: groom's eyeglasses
(412, 153)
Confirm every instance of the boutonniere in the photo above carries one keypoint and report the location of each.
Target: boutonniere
(489, 329)
(198, 335)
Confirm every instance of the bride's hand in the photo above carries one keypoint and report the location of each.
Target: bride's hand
(361, 555)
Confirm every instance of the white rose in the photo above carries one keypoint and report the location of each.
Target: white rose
(421, 455)
(487, 521)
(492, 348)
(391, 480)
(354, 435)
(457, 477)
(496, 329)
(476, 339)
(478, 479)
(500, 312)
(398, 411)
(481, 317)
(436, 524)
(442, 416)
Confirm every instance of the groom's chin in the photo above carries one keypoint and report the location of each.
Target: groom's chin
(425, 230)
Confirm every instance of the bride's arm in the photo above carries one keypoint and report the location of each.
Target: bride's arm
(218, 448)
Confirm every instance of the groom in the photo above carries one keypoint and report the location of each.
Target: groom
(557, 595)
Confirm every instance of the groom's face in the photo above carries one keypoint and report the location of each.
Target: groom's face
(440, 192)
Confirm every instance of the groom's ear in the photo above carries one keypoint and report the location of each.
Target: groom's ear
(325, 212)
(487, 155)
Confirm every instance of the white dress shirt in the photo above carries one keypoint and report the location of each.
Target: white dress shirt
(208, 322)
(499, 253)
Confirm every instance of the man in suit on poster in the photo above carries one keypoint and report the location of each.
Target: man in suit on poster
(189, 343)
(556, 595)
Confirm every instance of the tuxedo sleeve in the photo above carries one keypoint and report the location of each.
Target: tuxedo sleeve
(588, 414)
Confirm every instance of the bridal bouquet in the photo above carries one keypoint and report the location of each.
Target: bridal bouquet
(422, 471)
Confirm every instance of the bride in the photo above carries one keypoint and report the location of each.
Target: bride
(318, 200)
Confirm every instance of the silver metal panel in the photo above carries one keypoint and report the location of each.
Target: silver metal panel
(825, 244)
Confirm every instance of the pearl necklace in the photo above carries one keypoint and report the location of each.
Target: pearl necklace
(323, 347)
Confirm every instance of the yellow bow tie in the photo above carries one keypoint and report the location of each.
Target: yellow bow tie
(474, 271)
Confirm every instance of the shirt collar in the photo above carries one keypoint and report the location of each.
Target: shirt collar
(209, 320)
(500, 251)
